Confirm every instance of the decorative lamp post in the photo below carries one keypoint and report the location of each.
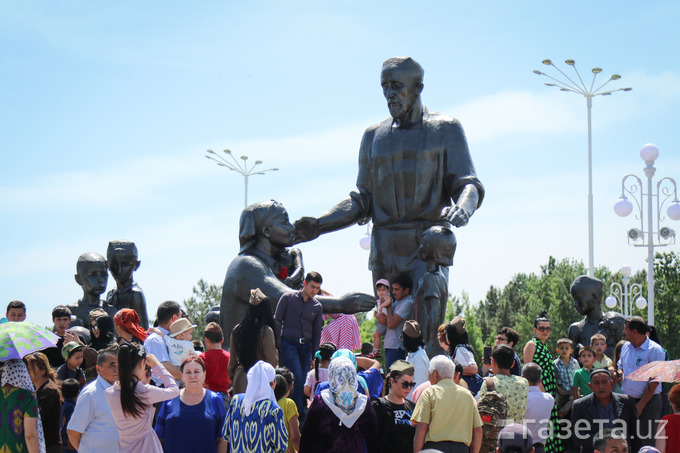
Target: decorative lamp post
(652, 202)
(589, 93)
(624, 295)
(239, 167)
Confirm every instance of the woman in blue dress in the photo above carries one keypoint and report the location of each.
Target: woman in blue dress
(192, 421)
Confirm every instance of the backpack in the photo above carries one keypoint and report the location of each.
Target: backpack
(493, 409)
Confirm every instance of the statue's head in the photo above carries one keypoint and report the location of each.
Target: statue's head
(401, 79)
(265, 220)
(587, 294)
(438, 244)
(122, 258)
(92, 273)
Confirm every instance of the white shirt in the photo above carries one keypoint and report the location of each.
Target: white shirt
(633, 358)
(464, 356)
(539, 406)
(154, 344)
(92, 418)
(178, 350)
(421, 363)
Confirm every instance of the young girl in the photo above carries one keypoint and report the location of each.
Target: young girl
(131, 399)
(322, 359)
(284, 384)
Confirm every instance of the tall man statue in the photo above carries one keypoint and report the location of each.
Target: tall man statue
(415, 171)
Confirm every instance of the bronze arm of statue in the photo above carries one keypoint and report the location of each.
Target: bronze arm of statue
(264, 232)
(348, 212)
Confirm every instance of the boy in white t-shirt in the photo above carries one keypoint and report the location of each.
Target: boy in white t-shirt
(179, 341)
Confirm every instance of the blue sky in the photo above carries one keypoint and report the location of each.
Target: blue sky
(107, 110)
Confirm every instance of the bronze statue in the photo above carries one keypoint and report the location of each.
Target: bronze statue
(265, 233)
(587, 294)
(412, 166)
(122, 257)
(437, 249)
(92, 275)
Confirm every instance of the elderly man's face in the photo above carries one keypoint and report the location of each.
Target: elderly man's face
(401, 89)
(602, 385)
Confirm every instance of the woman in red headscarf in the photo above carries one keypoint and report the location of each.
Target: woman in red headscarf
(127, 326)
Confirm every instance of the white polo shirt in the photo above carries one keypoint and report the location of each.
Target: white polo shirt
(93, 419)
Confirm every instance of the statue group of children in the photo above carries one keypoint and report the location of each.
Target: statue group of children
(122, 260)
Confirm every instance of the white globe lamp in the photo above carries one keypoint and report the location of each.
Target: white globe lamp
(623, 207)
(641, 302)
(610, 301)
(673, 210)
(649, 153)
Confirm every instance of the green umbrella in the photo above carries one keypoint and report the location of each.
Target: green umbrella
(18, 339)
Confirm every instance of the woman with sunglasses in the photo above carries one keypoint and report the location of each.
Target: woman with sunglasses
(131, 399)
(536, 351)
(394, 410)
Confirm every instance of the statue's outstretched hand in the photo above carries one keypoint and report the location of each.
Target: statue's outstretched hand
(456, 215)
(355, 302)
(306, 229)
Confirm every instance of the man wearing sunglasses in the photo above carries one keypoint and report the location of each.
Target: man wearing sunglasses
(438, 425)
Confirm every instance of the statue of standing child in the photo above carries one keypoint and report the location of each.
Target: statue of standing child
(122, 257)
(92, 275)
(437, 248)
(587, 294)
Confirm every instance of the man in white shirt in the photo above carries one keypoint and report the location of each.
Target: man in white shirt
(92, 428)
(539, 406)
(639, 350)
(167, 313)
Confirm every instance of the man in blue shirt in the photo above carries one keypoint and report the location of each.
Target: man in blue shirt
(639, 350)
(167, 313)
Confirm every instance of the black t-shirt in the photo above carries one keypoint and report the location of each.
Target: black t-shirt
(394, 425)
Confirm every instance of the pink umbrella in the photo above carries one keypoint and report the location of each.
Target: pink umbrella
(664, 371)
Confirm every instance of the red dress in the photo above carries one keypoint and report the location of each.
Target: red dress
(673, 433)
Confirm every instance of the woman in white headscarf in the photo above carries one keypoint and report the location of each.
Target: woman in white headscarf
(255, 422)
(18, 396)
(340, 419)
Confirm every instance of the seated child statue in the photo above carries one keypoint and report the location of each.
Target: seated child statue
(123, 260)
(437, 248)
(92, 275)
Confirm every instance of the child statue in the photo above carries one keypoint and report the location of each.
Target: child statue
(123, 260)
(92, 275)
(437, 248)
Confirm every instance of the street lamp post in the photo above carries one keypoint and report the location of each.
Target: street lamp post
(624, 295)
(239, 167)
(638, 237)
(589, 93)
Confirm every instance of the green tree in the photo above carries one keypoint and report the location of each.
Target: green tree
(667, 300)
(203, 296)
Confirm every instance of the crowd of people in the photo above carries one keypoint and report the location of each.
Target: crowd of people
(289, 384)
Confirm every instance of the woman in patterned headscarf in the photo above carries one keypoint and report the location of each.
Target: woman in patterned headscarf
(340, 418)
(254, 420)
(21, 429)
